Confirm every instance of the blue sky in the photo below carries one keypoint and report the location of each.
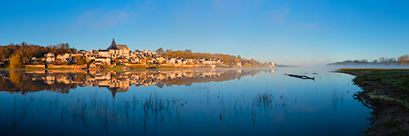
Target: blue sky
(302, 32)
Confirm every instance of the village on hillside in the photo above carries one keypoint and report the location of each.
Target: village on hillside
(118, 55)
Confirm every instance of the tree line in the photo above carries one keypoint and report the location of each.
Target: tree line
(24, 52)
(402, 60)
(227, 59)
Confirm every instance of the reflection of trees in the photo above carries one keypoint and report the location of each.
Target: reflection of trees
(63, 81)
(152, 112)
(147, 113)
(224, 76)
(21, 82)
(15, 76)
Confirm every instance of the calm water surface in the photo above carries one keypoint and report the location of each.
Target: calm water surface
(180, 102)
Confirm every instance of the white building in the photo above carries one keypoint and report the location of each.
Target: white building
(102, 61)
(49, 57)
(272, 64)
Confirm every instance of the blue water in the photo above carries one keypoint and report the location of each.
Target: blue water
(213, 102)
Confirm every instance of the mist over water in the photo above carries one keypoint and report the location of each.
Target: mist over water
(371, 66)
(181, 102)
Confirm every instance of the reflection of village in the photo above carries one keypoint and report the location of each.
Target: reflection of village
(91, 111)
(122, 81)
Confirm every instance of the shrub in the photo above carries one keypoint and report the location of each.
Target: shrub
(82, 61)
(15, 62)
(247, 65)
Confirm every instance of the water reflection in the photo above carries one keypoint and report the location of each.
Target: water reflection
(176, 102)
(337, 97)
(62, 81)
(21, 82)
(152, 113)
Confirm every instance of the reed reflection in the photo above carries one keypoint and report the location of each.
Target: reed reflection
(152, 112)
(148, 114)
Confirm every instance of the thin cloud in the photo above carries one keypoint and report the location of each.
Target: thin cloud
(280, 15)
(110, 18)
(100, 19)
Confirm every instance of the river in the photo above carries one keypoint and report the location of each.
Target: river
(263, 101)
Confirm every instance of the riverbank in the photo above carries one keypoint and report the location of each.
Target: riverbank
(119, 67)
(386, 91)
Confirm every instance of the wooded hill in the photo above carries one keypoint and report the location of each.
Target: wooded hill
(227, 59)
(27, 51)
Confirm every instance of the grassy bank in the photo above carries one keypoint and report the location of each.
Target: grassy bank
(386, 79)
(386, 91)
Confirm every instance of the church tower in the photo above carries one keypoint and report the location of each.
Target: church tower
(113, 44)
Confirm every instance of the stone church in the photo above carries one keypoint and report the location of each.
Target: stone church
(118, 50)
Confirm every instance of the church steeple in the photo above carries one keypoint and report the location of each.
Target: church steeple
(113, 42)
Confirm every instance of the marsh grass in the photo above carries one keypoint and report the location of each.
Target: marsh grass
(337, 97)
(387, 91)
(388, 79)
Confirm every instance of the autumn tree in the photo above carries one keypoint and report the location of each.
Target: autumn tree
(77, 58)
(160, 51)
(247, 65)
(15, 62)
(252, 62)
(82, 61)
(168, 51)
(89, 61)
(382, 60)
(404, 59)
